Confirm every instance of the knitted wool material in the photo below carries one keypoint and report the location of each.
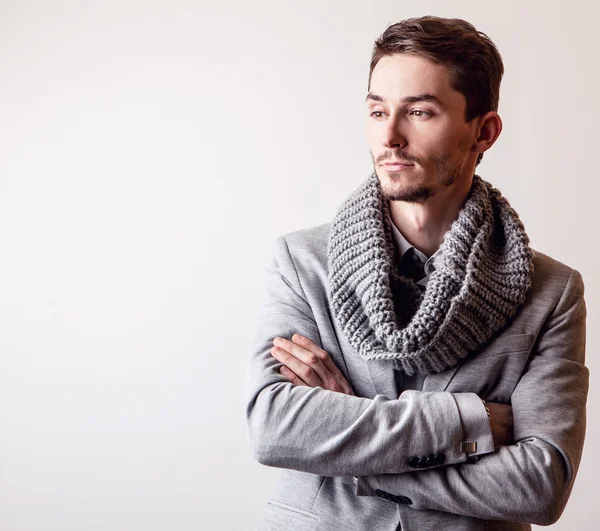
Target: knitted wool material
(479, 282)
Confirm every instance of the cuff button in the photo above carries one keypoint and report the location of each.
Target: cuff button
(427, 461)
(414, 462)
(404, 500)
(439, 459)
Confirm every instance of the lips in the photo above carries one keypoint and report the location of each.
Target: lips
(397, 165)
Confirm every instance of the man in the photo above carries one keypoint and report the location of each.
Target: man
(417, 364)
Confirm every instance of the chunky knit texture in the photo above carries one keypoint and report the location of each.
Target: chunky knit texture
(480, 281)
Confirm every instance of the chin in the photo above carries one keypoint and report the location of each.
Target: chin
(396, 188)
(397, 178)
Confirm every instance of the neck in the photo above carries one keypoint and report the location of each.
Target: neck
(424, 225)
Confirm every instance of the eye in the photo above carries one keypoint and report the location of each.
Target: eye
(424, 113)
(376, 112)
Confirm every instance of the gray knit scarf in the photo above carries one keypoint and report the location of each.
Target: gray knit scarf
(479, 283)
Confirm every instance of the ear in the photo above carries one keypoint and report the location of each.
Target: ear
(489, 129)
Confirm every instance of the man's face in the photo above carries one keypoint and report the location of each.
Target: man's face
(432, 136)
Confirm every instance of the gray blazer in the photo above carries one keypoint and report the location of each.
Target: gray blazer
(321, 439)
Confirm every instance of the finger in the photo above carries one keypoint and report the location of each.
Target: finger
(305, 356)
(300, 369)
(333, 379)
(311, 346)
(292, 377)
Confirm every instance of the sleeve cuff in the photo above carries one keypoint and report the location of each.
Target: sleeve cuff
(475, 422)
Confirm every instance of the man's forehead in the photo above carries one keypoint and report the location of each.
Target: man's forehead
(403, 78)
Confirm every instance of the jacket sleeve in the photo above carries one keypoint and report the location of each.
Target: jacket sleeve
(323, 432)
(531, 480)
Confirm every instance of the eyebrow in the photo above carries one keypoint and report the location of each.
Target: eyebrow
(409, 99)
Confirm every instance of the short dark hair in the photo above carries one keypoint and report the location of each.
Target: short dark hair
(474, 63)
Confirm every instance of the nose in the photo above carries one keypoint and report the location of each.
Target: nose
(392, 136)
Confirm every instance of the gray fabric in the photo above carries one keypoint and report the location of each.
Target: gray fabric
(483, 276)
(322, 438)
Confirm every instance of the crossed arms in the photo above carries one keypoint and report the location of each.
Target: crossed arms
(333, 433)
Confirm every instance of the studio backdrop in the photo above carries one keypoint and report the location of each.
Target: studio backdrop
(151, 152)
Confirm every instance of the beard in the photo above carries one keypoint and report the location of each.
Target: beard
(447, 167)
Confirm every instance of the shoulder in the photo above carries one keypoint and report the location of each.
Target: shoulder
(551, 276)
(302, 255)
(306, 243)
(310, 235)
(551, 268)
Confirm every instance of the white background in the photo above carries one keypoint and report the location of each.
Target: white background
(150, 154)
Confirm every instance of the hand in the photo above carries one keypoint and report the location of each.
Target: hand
(305, 363)
(501, 421)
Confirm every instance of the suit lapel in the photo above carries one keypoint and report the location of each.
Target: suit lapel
(383, 378)
(381, 373)
(439, 381)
